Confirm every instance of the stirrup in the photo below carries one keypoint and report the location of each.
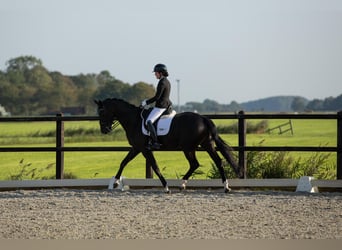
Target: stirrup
(153, 145)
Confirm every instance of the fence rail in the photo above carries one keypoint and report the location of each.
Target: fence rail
(242, 148)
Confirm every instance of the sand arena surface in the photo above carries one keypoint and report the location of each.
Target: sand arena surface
(151, 214)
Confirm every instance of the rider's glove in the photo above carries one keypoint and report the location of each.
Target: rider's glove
(143, 103)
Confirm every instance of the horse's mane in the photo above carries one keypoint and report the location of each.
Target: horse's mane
(122, 101)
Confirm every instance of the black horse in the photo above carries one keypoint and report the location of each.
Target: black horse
(188, 130)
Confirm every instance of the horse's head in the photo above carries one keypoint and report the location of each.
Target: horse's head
(106, 117)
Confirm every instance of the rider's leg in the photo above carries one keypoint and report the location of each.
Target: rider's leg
(153, 134)
(154, 115)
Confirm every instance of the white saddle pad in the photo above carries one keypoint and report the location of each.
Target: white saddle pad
(163, 125)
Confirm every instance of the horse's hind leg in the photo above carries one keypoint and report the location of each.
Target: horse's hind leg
(209, 147)
(191, 157)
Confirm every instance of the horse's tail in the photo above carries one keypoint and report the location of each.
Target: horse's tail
(223, 147)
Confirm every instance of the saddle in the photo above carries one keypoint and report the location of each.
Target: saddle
(162, 124)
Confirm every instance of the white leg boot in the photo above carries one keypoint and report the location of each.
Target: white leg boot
(226, 187)
(183, 186)
(113, 181)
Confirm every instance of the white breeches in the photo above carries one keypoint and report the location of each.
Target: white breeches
(155, 114)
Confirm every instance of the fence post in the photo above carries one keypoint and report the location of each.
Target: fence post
(242, 129)
(339, 146)
(59, 145)
(290, 122)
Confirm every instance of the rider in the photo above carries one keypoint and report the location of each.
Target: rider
(162, 102)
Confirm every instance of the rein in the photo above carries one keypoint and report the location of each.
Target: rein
(141, 113)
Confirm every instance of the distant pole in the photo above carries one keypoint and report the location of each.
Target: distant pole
(178, 99)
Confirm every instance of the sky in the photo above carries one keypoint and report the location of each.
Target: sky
(222, 50)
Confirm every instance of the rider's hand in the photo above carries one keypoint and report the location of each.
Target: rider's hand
(143, 103)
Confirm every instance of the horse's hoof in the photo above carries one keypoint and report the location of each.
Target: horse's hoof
(183, 186)
(115, 185)
(167, 191)
(227, 190)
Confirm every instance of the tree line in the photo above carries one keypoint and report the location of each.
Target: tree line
(28, 88)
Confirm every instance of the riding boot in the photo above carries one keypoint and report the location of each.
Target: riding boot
(153, 134)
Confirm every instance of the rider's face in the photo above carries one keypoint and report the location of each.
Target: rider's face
(157, 74)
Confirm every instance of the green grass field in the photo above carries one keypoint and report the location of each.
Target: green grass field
(105, 164)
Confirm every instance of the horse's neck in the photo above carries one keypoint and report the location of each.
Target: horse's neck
(128, 116)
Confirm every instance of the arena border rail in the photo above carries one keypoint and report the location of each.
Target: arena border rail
(241, 148)
(236, 184)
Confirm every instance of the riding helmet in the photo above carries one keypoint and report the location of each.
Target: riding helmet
(160, 68)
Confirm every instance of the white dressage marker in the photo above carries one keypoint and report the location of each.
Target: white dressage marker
(304, 185)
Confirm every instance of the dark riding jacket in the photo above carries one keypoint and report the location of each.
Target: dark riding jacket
(162, 96)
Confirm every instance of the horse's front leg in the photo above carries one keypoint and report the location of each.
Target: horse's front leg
(151, 160)
(114, 182)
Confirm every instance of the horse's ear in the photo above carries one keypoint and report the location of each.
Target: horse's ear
(97, 102)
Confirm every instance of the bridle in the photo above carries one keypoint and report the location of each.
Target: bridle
(107, 124)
